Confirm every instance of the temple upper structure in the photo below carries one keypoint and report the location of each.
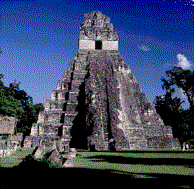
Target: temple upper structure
(96, 33)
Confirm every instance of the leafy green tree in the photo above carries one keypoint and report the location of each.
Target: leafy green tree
(35, 111)
(31, 110)
(183, 79)
(30, 116)
(169, 108)
(1, 50)
(21, 95)
(184, 131)
(10, 106)
(17, 103)
(1, 82)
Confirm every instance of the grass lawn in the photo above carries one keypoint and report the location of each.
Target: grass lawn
(138, 162)
(169, 169)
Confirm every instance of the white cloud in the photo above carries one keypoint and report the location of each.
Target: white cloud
(183, 62)
(143, 47)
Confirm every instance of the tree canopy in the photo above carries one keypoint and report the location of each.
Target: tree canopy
(170, 108)
(183, 79)
(17, 103)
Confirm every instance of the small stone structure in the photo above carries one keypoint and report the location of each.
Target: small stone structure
(7, 126)
(99, 99)
(55, 156)
(10, 140)
(16, 140)
(38, 152)
(6, 148)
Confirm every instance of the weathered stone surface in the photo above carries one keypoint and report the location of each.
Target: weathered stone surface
(39, 152)
(99, 99)
(68, 158)
(97, 27)
(28, 141)
(8, 125)
(72, 152)
(59, 145)
(6, 153)
(163, 143)
(55, 156)
(10, 140)
(68, 162)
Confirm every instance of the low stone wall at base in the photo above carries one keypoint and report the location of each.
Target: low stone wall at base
(6, 153)
(7, 148)
(34, 141)
(163, 143)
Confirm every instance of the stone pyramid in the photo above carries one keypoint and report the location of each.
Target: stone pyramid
(98, 103)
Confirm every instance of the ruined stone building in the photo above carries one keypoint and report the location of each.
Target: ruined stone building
(98, 100)
(7, 127)
(9, 137)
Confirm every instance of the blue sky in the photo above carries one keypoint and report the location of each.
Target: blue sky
(40, 38)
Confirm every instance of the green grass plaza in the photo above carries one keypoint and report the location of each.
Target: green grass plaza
(166, 168)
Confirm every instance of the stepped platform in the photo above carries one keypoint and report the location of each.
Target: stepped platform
(98, 102)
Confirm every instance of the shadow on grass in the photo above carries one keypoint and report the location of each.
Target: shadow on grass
(179, 151)
(189, 163)
(38, 174)
(43, 177)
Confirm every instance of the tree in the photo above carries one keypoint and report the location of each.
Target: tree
(184, 131)
(17, 103)
(183, 79)
(1, 82)
(36, 109)
(10, 106)
(1, 50)
(170, 109)
(15, 91)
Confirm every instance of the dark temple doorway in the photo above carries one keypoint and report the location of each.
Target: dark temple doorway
(98, 45)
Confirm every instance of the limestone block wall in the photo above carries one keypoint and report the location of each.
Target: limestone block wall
(163, 143)
(96, 105)
(110, 45)
(54, 105)
(90, 45)
(41, 117)
(102, 99)
(86, 45)
(129, 114)
(116, 107)
(34, 129)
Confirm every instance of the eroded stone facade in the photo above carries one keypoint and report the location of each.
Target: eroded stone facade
(98, 100)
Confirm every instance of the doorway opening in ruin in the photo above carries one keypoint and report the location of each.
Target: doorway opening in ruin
(98, 45)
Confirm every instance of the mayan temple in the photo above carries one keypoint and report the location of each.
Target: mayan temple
(98, 104)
